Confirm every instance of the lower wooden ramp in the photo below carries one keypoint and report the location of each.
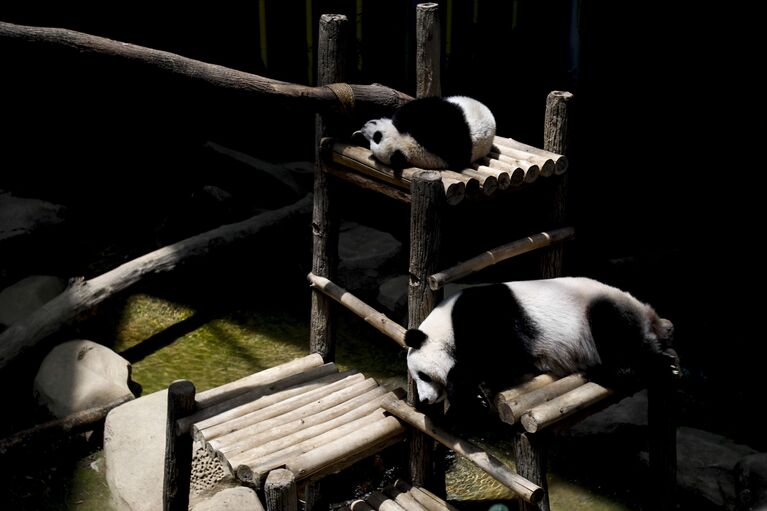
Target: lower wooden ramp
(400, 497)
(305, 416)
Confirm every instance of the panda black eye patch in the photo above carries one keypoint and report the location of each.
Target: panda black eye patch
(424, 377)
(377, 136)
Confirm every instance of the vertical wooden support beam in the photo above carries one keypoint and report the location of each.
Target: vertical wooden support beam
(427, 50)
(427, 201)
(178, 448)
(555, 139)
(662, 429)
(530, 453)
(280, 491)
(330, 69)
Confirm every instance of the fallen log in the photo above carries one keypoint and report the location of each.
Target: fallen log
(317, 99)
(86, 294)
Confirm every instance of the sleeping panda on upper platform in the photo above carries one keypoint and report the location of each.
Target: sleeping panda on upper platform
(489, 337)
(431, 133)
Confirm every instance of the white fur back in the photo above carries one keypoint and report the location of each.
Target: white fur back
(481, 124)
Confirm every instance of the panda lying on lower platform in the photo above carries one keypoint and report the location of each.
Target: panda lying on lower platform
(489, 337)
(431, 133)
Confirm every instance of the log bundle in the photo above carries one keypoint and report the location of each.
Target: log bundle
(401, 496)
(305, 416)
(509, 165)
(545, 400)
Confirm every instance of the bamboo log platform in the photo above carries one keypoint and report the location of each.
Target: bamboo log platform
(510, 165)
(545, 400)
(400, 496)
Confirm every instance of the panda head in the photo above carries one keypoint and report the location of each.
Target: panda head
(396, 149)
(429, 362)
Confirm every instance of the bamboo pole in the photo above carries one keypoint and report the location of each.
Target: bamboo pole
(268, 376)
(523, 388)
(271, 403)
(381, 502)
(563, 406)
(427, 50)
(503, 179)
(86, 294)
(292, 436)
(362, 160)
(515, 172)
(525, 489)
(555, 139)
(488, 183)
(325, 221)
(471, 183)
(280, 491)
(259, 394)
(532, 171)
(289, 95)
(498, 254)
(512, 410)
(359, 505)
(367, 183)
(231, 430)
(362, 442)
(253, 468)
(424, 497)
(404, 499)
(546, 165)
(178, 448)
(371, 316)
(559, 159)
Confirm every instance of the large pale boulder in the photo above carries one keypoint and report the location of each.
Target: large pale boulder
(21, 216)
(27, 295)
(80, 374)
(366, 255)
(231, 499)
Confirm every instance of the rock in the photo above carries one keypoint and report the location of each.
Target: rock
(20, 216)
(134, 453)
(623, 417)
(392, 294)
(751, 481)
(27, 295)
(366, 255)
(231, 499)
(77, 375)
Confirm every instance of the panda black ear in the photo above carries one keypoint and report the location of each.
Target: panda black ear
(414, 338)
(359, 139)
(398, 160)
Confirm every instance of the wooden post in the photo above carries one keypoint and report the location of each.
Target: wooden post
(178, 448)
(427, 201)
(555, 139)
(330, 69)
(427, 50)
(280, 491)
(662, 429)
(532, 463)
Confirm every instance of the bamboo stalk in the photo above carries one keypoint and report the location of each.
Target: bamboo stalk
(362, 160)
(359, 443)
(512, 410)
(563, 406)
(498, 254)
(253, 468)
(488, 183)
(532, 171)
(381, 502)
(371, 316)
(367, 183)
(239, 441)
(82, 296)
(279, 408)
(503, 179)
(424, 497)
(293, 434)
(265, 401)
(404, 499)
(525, 489)
(515, 172)
(470, 182)
(528, 386)
(547, 165)
(360, 505)
(224, 409)
(290, 95)
(229, 390)
(559, 159)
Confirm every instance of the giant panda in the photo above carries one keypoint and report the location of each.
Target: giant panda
(431, 133)
(489, 337)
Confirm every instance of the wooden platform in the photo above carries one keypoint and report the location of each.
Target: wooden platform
(400, 496)
(510, 164)
(304, 416)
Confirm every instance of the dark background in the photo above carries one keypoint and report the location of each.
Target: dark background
(662, 161)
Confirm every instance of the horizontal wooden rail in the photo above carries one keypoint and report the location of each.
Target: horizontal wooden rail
(378, 320)
(498, 254)
(318, 99)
